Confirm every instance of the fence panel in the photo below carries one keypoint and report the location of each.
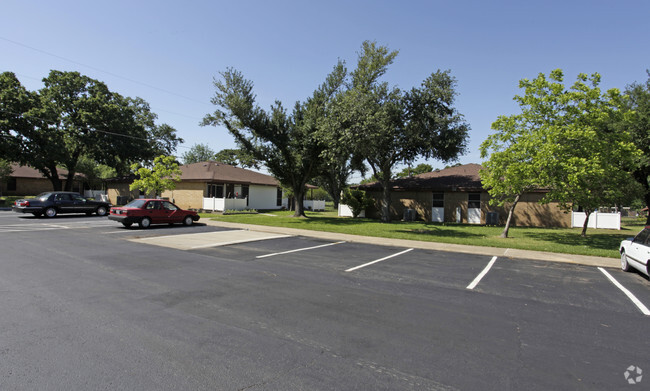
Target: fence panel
(597, 220)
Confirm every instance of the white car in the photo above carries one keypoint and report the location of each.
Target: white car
(635, 252)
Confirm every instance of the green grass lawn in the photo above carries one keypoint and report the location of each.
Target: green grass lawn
(599, 242)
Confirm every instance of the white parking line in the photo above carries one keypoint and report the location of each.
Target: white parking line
(378, 260)
(297, 250)
(478, 278)
(629, 294)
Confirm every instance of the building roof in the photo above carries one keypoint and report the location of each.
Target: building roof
(19, 171)
(459, 178)
(212, 171)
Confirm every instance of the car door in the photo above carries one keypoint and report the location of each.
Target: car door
(639, 251)
(63, 203)
(154, 211)
(81, 205)
(173, 214)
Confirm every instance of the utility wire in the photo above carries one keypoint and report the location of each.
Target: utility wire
(103, 71)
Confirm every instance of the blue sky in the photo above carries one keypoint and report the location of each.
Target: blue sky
(169, 52)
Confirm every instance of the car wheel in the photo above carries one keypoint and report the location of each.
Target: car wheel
(188, 220)
(50, 212)
(127, 225)
(101, 211)
(145, 222)
(625, 266)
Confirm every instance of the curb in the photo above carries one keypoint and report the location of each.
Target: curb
(490, 251)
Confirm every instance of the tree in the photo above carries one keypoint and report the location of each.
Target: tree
(287, 144)
(74, 116)
(417, 170)
(639, 129)
(198, 153)
(164, 175)
(387, 126)
(236, 157)
(562, 141)
(5, 172)
(357, 200)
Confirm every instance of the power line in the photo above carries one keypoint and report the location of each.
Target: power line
(87, 128)
(103, 71)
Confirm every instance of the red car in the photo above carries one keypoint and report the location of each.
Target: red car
(145, 212)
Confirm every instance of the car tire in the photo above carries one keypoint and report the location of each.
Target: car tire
(188, 220)
(625, 265)
(145, 222)
(127, 225)
(50, 212)
(101, 211)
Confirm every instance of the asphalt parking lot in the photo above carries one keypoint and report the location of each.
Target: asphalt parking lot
(89, 304)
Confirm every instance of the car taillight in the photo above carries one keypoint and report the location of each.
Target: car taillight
(22, 203)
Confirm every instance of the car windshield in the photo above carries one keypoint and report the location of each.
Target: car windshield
(43, 196)
(135, 204)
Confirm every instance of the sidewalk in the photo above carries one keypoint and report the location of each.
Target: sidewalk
(489, 251)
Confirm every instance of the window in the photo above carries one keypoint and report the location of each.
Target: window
(169, 206)
(230, 190)
(642, 237)
(279, 197)
(12, 184)
(474, 200)
(215, 191)
(438, 200)
(62, 197)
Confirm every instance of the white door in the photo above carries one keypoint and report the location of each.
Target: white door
(474, 208)
(474, 215)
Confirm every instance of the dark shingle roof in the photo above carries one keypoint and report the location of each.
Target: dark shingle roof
(465, 177)
(211, 171)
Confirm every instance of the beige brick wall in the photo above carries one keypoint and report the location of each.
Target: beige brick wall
(528, 213)
(30, 186)
(187, 195)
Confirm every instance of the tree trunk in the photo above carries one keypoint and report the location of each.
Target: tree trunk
(298, 202)
(584, 226)
(504, 234)
(69, 182)
(385, 202)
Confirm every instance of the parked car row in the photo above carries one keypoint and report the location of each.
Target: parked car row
(143, 212)
(51, 204)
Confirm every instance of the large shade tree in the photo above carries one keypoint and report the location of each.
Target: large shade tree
(563, 141)
(388, 126)
(639, 129)
(74, 117)
(287, 143)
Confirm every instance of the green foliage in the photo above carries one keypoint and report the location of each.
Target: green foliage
(356, 200)
(198, 153)
(236, 157)
(286, 143)
(164, 175)
(638, 127)
(93, 172)
(413, 171)
(5, 172)
(563, 141)
(74, 116)
(386, 126)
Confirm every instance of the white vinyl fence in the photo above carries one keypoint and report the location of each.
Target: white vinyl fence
(597, 220)
(313, 204)
(222, 204)
(345, 211)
